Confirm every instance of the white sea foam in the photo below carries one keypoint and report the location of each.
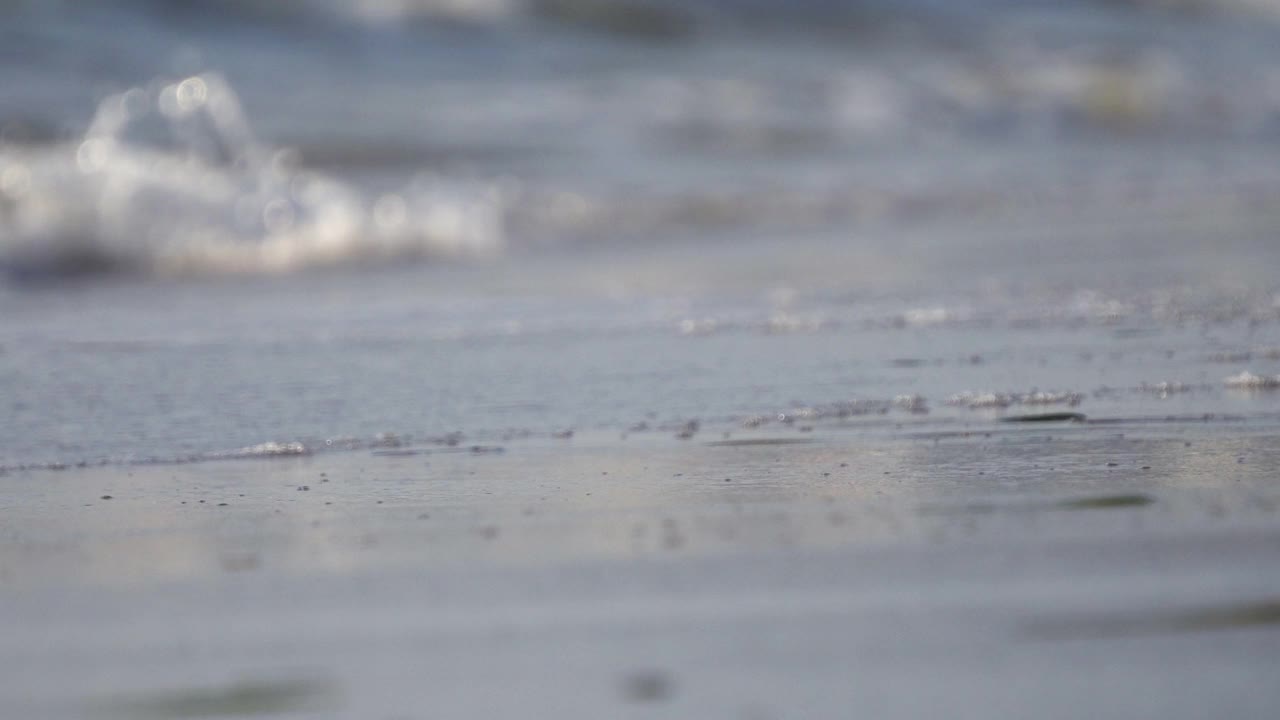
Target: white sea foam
(912, 403)
(981, 400)
(170, 179)
(269, 449)
(1165, 389)
(1249, 381)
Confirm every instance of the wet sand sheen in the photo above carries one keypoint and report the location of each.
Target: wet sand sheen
(657, 572)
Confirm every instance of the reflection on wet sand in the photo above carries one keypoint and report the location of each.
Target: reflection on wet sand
(544, 501)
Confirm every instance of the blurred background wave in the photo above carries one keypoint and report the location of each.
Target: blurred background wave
(215, 136)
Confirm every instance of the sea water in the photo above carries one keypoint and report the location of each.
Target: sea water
(232, 229)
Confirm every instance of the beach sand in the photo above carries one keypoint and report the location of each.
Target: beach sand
(1013, 570)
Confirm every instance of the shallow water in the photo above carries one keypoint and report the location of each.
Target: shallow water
(486, 218)
(156, 373)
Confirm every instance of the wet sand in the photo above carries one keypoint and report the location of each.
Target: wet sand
(1050, 569)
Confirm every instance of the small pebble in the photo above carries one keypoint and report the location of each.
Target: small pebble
(647, 686)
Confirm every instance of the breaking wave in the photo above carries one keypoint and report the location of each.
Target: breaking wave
(169, 179)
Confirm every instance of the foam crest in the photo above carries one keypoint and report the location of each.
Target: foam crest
(1000, 400)
(1249, 381)
(170, 179)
